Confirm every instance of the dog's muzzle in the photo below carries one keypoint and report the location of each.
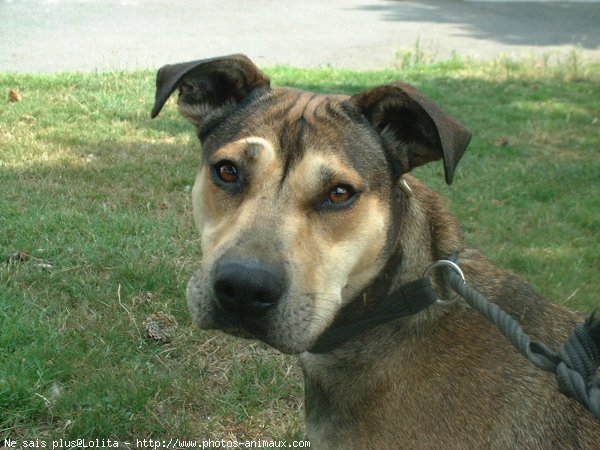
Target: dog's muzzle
(246, 290)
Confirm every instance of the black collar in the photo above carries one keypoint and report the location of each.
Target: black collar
(407, 300)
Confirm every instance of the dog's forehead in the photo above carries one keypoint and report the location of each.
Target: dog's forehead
(296, 123)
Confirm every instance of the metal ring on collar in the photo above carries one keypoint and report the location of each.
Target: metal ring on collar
(404, 187)
(445, 262)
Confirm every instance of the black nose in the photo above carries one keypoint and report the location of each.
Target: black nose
(248, 288)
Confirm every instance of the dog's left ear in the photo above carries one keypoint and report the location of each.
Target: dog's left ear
(417, 130)
(208, 86)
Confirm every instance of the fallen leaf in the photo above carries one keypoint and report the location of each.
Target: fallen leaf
(14, 95)
(16, 257)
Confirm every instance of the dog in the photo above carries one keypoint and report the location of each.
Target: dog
(308, 217)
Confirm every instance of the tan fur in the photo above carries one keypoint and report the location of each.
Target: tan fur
(441, 379)
(427, 381)
(445, 378)
(321, 279)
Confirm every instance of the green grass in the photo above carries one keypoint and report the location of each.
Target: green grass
(94, 188)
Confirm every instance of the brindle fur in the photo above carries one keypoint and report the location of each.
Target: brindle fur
(444, 378)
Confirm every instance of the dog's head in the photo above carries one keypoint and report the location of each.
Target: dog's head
(296, 199)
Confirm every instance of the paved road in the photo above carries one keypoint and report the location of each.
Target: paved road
(89, 35)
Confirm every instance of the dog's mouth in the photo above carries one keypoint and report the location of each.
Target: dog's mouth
(287, 322)
(243, 327)
(287, 338)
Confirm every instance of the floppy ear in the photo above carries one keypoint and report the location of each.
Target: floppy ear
(207, 86)
(417, 130)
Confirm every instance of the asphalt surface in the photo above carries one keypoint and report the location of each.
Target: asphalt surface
(102, 35)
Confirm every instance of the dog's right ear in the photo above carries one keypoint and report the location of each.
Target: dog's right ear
(208, 86)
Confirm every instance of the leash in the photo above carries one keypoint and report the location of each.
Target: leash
(574, 365)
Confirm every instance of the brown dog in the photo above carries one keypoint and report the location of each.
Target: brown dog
(308, 218)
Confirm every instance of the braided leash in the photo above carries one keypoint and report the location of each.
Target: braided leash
(574, 365)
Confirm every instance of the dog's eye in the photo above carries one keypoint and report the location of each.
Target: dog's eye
(227, 172)
(340, 194)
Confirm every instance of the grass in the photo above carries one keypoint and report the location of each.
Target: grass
(99, 196)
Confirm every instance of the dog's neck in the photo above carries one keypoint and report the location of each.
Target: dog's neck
(426, 232)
